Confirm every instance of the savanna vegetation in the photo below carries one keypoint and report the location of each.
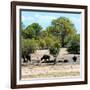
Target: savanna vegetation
(61, 33)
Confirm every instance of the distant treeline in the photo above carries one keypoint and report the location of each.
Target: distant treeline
(61, 33)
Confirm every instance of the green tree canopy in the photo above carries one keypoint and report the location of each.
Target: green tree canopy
(74, 47)
(60, 33)
(28, 46)
(62, 28)
(74, 44)
(32, 31)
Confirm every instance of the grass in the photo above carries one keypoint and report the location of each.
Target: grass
(49, 75)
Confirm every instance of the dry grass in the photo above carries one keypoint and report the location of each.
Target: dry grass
(46, 71)
(29, 71)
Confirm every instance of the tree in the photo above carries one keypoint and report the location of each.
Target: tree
(76, 37)
(32, 31)
(28, 46)
(55, 48)
(49, 41)
(74, 47)
(42, 43)
(63, 27)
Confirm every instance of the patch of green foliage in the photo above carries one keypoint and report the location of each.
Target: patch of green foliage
(61, 33)
(74, 45)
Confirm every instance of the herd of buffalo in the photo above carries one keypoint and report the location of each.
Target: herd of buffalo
(46, 59)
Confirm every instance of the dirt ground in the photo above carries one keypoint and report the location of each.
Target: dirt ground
(60, 69)
(45, 71)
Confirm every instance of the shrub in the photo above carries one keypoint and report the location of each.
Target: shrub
(74, 47)
(42, 43)
(54, 49)
(28, 46)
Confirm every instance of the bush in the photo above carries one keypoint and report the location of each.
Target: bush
(28, 46)
(54, 50)
(49, 41)
(42, 43)
(74, 47)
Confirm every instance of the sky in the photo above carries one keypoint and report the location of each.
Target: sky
(44, 18)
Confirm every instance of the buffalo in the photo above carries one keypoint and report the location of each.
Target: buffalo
(26, 58)
(74, 58)
(46, 59)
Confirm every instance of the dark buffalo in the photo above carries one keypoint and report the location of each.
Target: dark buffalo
(65, 61)
(26, 58)
(74, 58)
(60, 61)
(45, 58)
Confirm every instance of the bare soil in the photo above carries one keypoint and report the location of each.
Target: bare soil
(60, 69)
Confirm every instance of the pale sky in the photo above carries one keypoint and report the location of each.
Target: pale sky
(44, 18)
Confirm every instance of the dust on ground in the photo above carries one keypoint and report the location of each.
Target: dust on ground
(44, 70)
